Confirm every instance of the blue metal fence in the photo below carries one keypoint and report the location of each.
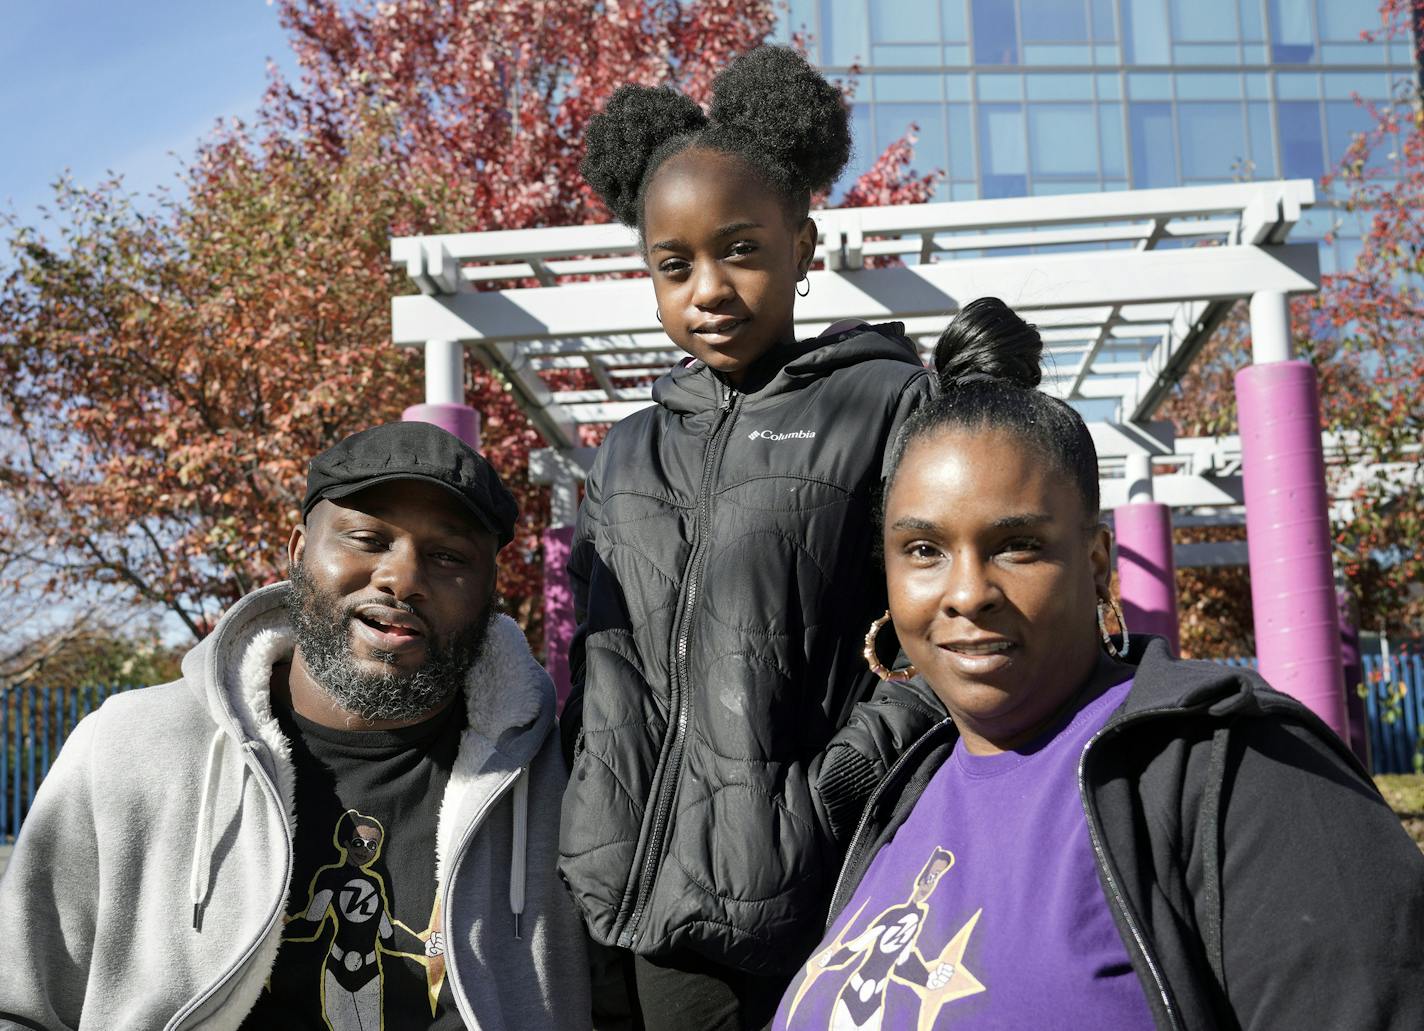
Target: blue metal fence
(34, 721)
(1394, 704)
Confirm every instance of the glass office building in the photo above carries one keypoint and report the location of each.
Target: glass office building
(1016, 97)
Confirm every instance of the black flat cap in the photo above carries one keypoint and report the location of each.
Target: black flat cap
(414, 451)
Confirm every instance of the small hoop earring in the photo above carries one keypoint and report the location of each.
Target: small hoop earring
(658, 314)
(876, 666)
(799, 291)
(1108, 645)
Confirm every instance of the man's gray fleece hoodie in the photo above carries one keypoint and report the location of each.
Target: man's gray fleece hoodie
(149, 882)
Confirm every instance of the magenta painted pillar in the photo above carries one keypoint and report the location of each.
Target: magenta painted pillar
(1288, 531)
(1147, 574)
(461, 420)
(558, 607)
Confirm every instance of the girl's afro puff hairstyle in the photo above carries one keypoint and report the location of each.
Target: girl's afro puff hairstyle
(769, 107)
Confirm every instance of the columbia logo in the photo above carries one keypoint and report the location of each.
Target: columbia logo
(788, 435)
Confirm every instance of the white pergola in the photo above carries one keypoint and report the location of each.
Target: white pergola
(1125, 287)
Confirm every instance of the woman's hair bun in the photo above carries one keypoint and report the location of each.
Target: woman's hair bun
(622, 139)
(988, 340)
(771, 102)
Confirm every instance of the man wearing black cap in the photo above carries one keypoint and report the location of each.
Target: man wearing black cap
(345, 815)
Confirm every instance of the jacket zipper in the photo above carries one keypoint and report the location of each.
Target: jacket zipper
(446, 918)
(197, 1001)
(672, 770)
(1115, 896)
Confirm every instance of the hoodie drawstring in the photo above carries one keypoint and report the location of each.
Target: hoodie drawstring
(201, 868)
(520, 849)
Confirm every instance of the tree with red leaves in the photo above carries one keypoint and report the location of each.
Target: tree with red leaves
(165, 375)
(1366, 333)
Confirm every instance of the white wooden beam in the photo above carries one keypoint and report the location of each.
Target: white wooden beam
(1028, 283)
(1178, 490)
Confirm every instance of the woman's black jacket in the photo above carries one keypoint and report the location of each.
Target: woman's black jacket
(1257, 878)
(725, 573)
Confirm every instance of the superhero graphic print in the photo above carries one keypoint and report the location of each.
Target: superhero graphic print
(886, 952)
(347, 910)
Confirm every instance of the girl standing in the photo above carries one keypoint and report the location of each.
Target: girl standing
(723, 562)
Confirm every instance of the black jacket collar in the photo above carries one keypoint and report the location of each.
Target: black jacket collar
(693, 388)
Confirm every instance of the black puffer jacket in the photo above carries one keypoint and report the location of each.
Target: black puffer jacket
(1254, 873)
(725, 573)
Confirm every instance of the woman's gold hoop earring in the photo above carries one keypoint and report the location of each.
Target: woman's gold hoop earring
(876, 666)
(1108, 645)
(799, 291)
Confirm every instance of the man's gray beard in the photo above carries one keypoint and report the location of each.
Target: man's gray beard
(323, 632)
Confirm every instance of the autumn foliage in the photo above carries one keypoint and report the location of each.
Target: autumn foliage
(166, 373)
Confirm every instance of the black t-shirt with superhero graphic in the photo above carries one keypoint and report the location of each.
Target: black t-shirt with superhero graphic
(357, 950)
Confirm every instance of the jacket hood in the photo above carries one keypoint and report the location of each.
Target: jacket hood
(509, 698)
(695, 387)
(1163, 681)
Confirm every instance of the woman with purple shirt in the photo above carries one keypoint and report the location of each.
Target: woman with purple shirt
(1100, 835)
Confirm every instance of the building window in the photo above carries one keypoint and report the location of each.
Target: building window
(996, 32)
(1003, 163)
(1302, 150)
(1154, 147)
(1213, 140)
(1104, 23)
(1342, 21)
(1114, 150)
(961, 141)
(1063, 140)
(895, 21)
(956, 24)
(1204, 21)
(1344, 120)
(894, 120)
(1144, 29)
(1292, 31)
(843, 29)
(1055, 21)
(1263, 141)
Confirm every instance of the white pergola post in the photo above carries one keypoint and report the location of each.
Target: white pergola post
(445, 393)
(444, 372)
(1270, 328)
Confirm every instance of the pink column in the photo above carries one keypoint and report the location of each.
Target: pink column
(558, 607)
(1147, 574)
(1288, 536)
(461, 420)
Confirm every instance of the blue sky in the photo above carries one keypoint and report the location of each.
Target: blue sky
(122, 85)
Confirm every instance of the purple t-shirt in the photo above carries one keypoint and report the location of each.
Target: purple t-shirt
(985, 911)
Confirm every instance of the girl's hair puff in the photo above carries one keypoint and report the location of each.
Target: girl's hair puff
(769, 108)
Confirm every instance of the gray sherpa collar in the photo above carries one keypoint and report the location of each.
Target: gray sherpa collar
(509, 698)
